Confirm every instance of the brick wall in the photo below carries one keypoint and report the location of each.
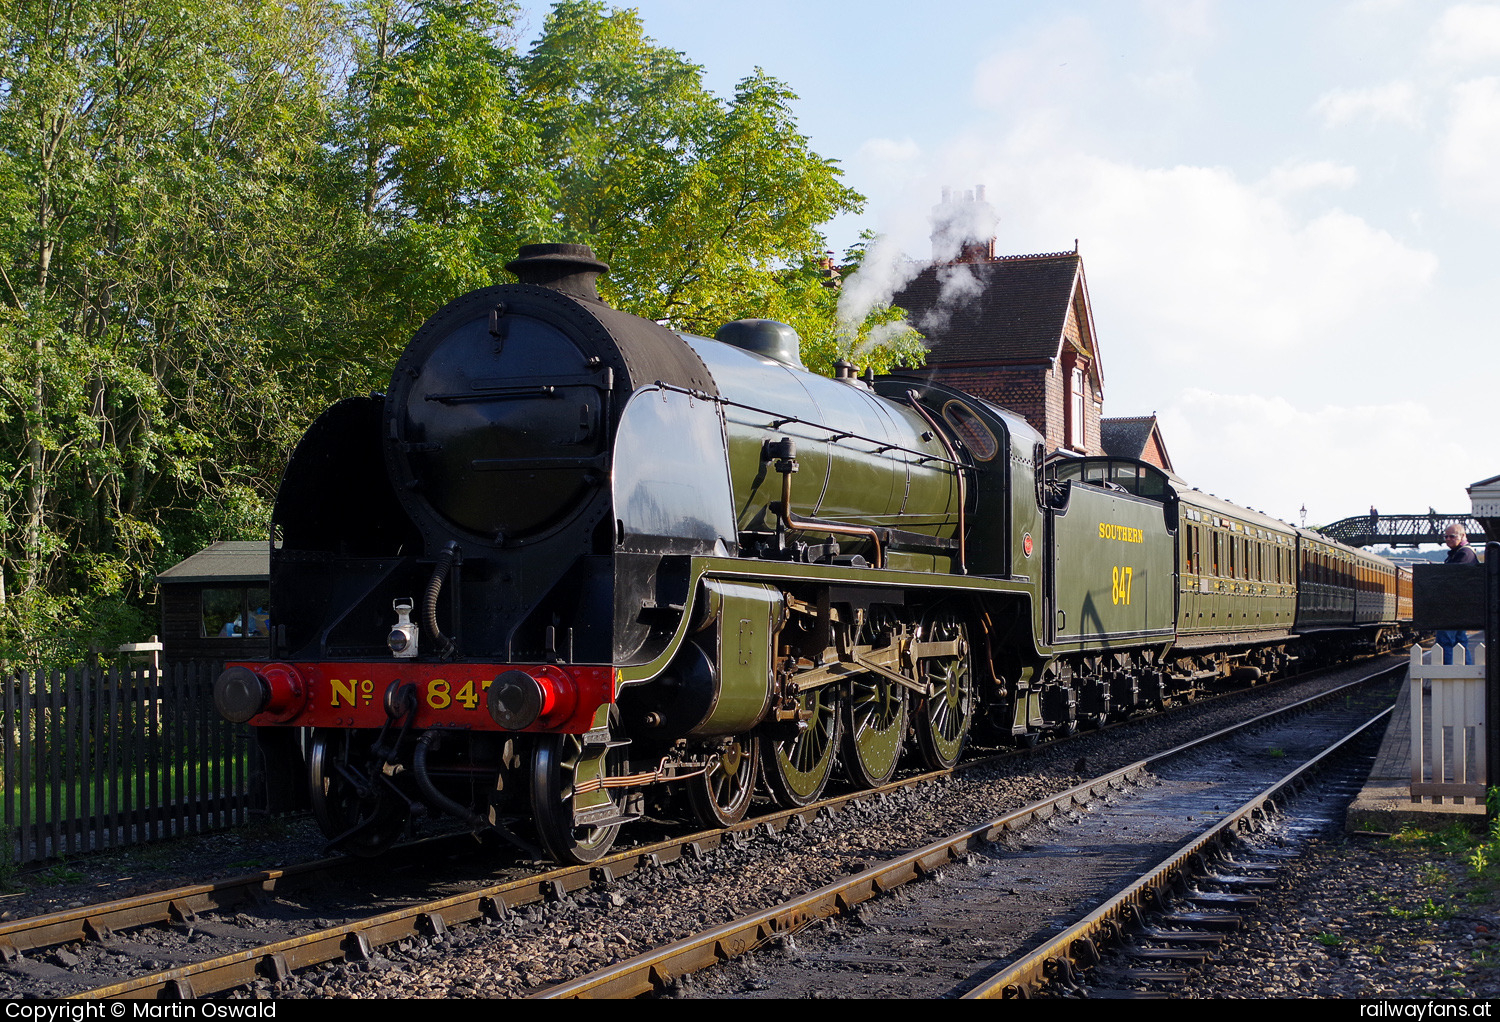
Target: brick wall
(1022, 389)
(1039, 392)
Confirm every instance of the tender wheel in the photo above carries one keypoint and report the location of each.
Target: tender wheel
(721, 797)
(874, 729)
(554, 763)
(354, 808)
(798, 767)
(942, 720)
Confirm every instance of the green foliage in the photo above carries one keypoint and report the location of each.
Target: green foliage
(217, 218)
(707, 210)
(59, 873)
(1329, 940)
(154, 198)
(1429, 909)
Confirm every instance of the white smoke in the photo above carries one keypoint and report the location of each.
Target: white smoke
(884, 271)
(961, 221)
(956, 285)
(956, 223)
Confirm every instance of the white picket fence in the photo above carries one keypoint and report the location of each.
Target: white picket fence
(1447, 726)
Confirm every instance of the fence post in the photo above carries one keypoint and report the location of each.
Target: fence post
(1492, 663)
(1448, 708)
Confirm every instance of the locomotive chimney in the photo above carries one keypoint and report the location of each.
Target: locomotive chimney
(571, 269)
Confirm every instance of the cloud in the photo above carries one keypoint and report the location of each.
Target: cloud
(1183, 257)
(1186, 18)
(1469, 150)
(1296, 176)
(1167, 83)
(1049, 70)
(1336, 460)
(1465, 35)
(889, 150)
(1396, 103)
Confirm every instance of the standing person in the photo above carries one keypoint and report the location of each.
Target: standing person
(1459, 552)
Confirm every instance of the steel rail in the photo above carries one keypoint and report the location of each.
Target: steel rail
(355, 940)
(96, 922)
(654, 970)
(179, 905)
(1032, 972)
(99, 921)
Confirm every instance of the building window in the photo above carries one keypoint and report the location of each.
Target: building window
(238, 613)
(1077, 379)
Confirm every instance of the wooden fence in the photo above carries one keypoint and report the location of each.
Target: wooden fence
(1447, 727)
(96, 759)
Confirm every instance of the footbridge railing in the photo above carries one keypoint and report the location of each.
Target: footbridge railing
(1401, 530)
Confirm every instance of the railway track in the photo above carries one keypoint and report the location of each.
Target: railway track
(356, 938)
(1061, 959)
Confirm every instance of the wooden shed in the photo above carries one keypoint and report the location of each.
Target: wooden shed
(213, 605)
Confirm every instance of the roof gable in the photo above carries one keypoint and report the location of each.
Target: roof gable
(1137, 437)
(1003, 311)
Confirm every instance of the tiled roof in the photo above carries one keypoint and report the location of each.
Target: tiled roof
(1126, 437)
(1003, 311)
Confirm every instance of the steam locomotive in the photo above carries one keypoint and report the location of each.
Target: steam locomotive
(574, 567)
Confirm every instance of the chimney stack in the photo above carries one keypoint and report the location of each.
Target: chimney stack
(963, 228)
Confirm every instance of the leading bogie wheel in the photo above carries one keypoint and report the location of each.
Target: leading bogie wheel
(942, 719)
(797, 766)
(720, 797)
(354, 808)
(554, 763)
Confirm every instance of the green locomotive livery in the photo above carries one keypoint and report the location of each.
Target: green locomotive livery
(601, 570)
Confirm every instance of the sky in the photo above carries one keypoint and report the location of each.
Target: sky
(1287, 211)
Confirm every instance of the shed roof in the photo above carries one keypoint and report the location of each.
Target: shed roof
(224, 561)
(1002, 311)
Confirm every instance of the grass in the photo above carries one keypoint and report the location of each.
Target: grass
(1428, 910)
(123, 791)
(58, 873)
(1467, 872)
(8, 865)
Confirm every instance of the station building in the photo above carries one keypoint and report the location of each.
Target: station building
(1018, 330)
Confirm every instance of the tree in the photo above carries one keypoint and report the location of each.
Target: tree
(154, 200)
(706, 210)
(442, 161)
(217, 217)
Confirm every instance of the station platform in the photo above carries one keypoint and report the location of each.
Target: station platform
(1384, 805)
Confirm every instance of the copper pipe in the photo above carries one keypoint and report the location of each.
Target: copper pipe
(802, 525)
